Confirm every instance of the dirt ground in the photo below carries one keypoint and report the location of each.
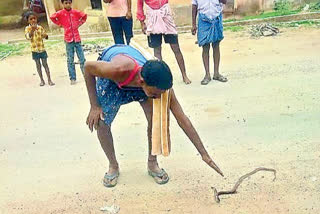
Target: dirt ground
(266, 115)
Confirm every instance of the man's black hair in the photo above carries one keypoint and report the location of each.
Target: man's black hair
(30, 13)
(65, 0)
(157, 73)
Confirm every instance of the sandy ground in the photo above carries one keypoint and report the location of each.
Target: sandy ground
(266, 115)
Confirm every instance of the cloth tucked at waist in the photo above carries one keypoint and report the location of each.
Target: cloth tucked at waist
(209, 30)
(160, 21)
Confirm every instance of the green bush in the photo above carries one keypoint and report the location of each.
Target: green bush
(315, 6)
(282, 5)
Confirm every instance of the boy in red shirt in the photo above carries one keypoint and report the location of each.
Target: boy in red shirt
(71, 20)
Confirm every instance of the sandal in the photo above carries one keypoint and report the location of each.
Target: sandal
(160, 178)
(220, 78)
(111, 180)
(205, 81)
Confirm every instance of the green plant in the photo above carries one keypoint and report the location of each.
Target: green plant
(315, 6)
(282, 5)
(234, 28)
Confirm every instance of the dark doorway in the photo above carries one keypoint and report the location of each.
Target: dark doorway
(96, 4)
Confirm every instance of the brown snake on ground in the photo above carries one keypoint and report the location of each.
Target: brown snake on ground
(234, 189)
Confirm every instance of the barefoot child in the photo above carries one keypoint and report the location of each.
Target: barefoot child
(35, 33)
(71, 20)
(123, 75)
(159, 23)
(210, 32)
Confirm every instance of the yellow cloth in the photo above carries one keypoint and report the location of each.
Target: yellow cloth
(39, 34)
(161, 143)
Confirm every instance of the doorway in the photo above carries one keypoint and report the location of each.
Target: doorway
(96, 4)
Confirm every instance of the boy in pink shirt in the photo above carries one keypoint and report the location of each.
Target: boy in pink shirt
(120, 19)
(71, 20)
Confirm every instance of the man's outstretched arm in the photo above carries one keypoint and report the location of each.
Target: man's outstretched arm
(191, 132)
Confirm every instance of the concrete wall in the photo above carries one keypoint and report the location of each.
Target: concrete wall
(11, 7)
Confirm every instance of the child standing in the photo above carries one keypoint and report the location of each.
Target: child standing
(71, 20)
(210, 32)
(35, 33)
(158, 23)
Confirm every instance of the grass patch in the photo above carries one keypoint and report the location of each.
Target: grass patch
(234, 28)
(12, 49)
(266, 15)
(304, 23)
(52, 45)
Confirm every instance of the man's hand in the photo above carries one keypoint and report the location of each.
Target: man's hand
(206, 158)
(129, 15)
(34, 27)
(143, 27)
(94, 116)
(194, 29)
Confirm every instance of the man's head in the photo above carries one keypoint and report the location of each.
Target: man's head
(67, 4)
(32, 18)
(156, 78)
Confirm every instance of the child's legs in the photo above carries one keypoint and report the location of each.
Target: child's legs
(216, 58)
(174, 44)
(70, 60)
(116, 28)
(155, 41)
(80, 55)
(46, 68)
(179, 57)
(205, 59)
(127, 25)
(157, 51)
(38, 65)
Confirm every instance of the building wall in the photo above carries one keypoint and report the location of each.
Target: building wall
(97, 19)
(11, 7)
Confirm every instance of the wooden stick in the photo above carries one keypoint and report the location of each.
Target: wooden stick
(234, 189)
(156, 128)
(164, 124)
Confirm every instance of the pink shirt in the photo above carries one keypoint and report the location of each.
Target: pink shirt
(117, 8)
(154, 4)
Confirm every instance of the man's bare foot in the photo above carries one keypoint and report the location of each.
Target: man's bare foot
(51, 83)
(186, 80)
(42, 83)
(159, 175)
(73, 82)
(206, 80)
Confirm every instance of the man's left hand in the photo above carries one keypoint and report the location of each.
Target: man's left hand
(94, 116)
(194, 29)
(129, 15)
(206, 158)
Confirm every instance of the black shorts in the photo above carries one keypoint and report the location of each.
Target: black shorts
(41, 55)
(155, 40)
